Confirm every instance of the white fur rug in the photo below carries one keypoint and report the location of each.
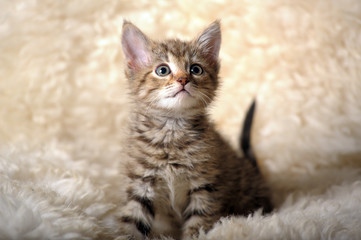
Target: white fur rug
(63, 105)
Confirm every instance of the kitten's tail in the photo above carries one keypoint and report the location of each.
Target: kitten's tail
(245, 139)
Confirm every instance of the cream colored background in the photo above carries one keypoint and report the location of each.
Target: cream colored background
(63, 105)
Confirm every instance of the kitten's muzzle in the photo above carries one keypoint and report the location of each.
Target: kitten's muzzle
(183, 81)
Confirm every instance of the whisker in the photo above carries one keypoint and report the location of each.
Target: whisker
(203, 101)
(203, 96)
(151, 104)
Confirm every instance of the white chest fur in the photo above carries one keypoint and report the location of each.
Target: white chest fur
(170, 202)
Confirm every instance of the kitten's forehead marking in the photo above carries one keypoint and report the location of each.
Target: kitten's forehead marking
(173, 68)
(174, 65)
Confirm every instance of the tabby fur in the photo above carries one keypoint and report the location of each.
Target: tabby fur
(182, 176)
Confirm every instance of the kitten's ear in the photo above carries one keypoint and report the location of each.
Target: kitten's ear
(136, 46)
(209, 42)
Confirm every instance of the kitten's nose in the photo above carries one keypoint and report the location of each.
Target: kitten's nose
(183, 80)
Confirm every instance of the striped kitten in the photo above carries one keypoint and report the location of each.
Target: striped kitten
(181, 174)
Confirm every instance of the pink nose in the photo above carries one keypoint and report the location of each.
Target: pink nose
(183, 80)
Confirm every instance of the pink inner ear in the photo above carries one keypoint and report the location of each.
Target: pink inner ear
(135, 47)
(210, 42)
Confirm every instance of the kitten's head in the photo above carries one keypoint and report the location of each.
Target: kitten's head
(173, 76)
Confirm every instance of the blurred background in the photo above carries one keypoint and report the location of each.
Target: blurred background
(62, 88)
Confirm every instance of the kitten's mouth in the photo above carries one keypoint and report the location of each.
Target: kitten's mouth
(183, 91)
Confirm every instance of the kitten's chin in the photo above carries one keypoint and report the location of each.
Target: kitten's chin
(179, 103)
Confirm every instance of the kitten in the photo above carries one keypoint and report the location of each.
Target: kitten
(181, 174)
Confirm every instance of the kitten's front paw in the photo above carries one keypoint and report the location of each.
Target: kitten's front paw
(192, 237)
(125, 237)
(191, 233)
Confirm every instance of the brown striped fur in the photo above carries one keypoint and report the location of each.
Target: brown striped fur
(181, 174)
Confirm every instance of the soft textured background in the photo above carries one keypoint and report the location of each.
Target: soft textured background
(63, 105)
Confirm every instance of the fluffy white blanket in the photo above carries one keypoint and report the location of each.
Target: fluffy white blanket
(63, 105)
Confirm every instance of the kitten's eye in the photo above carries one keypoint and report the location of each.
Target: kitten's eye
(162, 70)
(196, 69)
